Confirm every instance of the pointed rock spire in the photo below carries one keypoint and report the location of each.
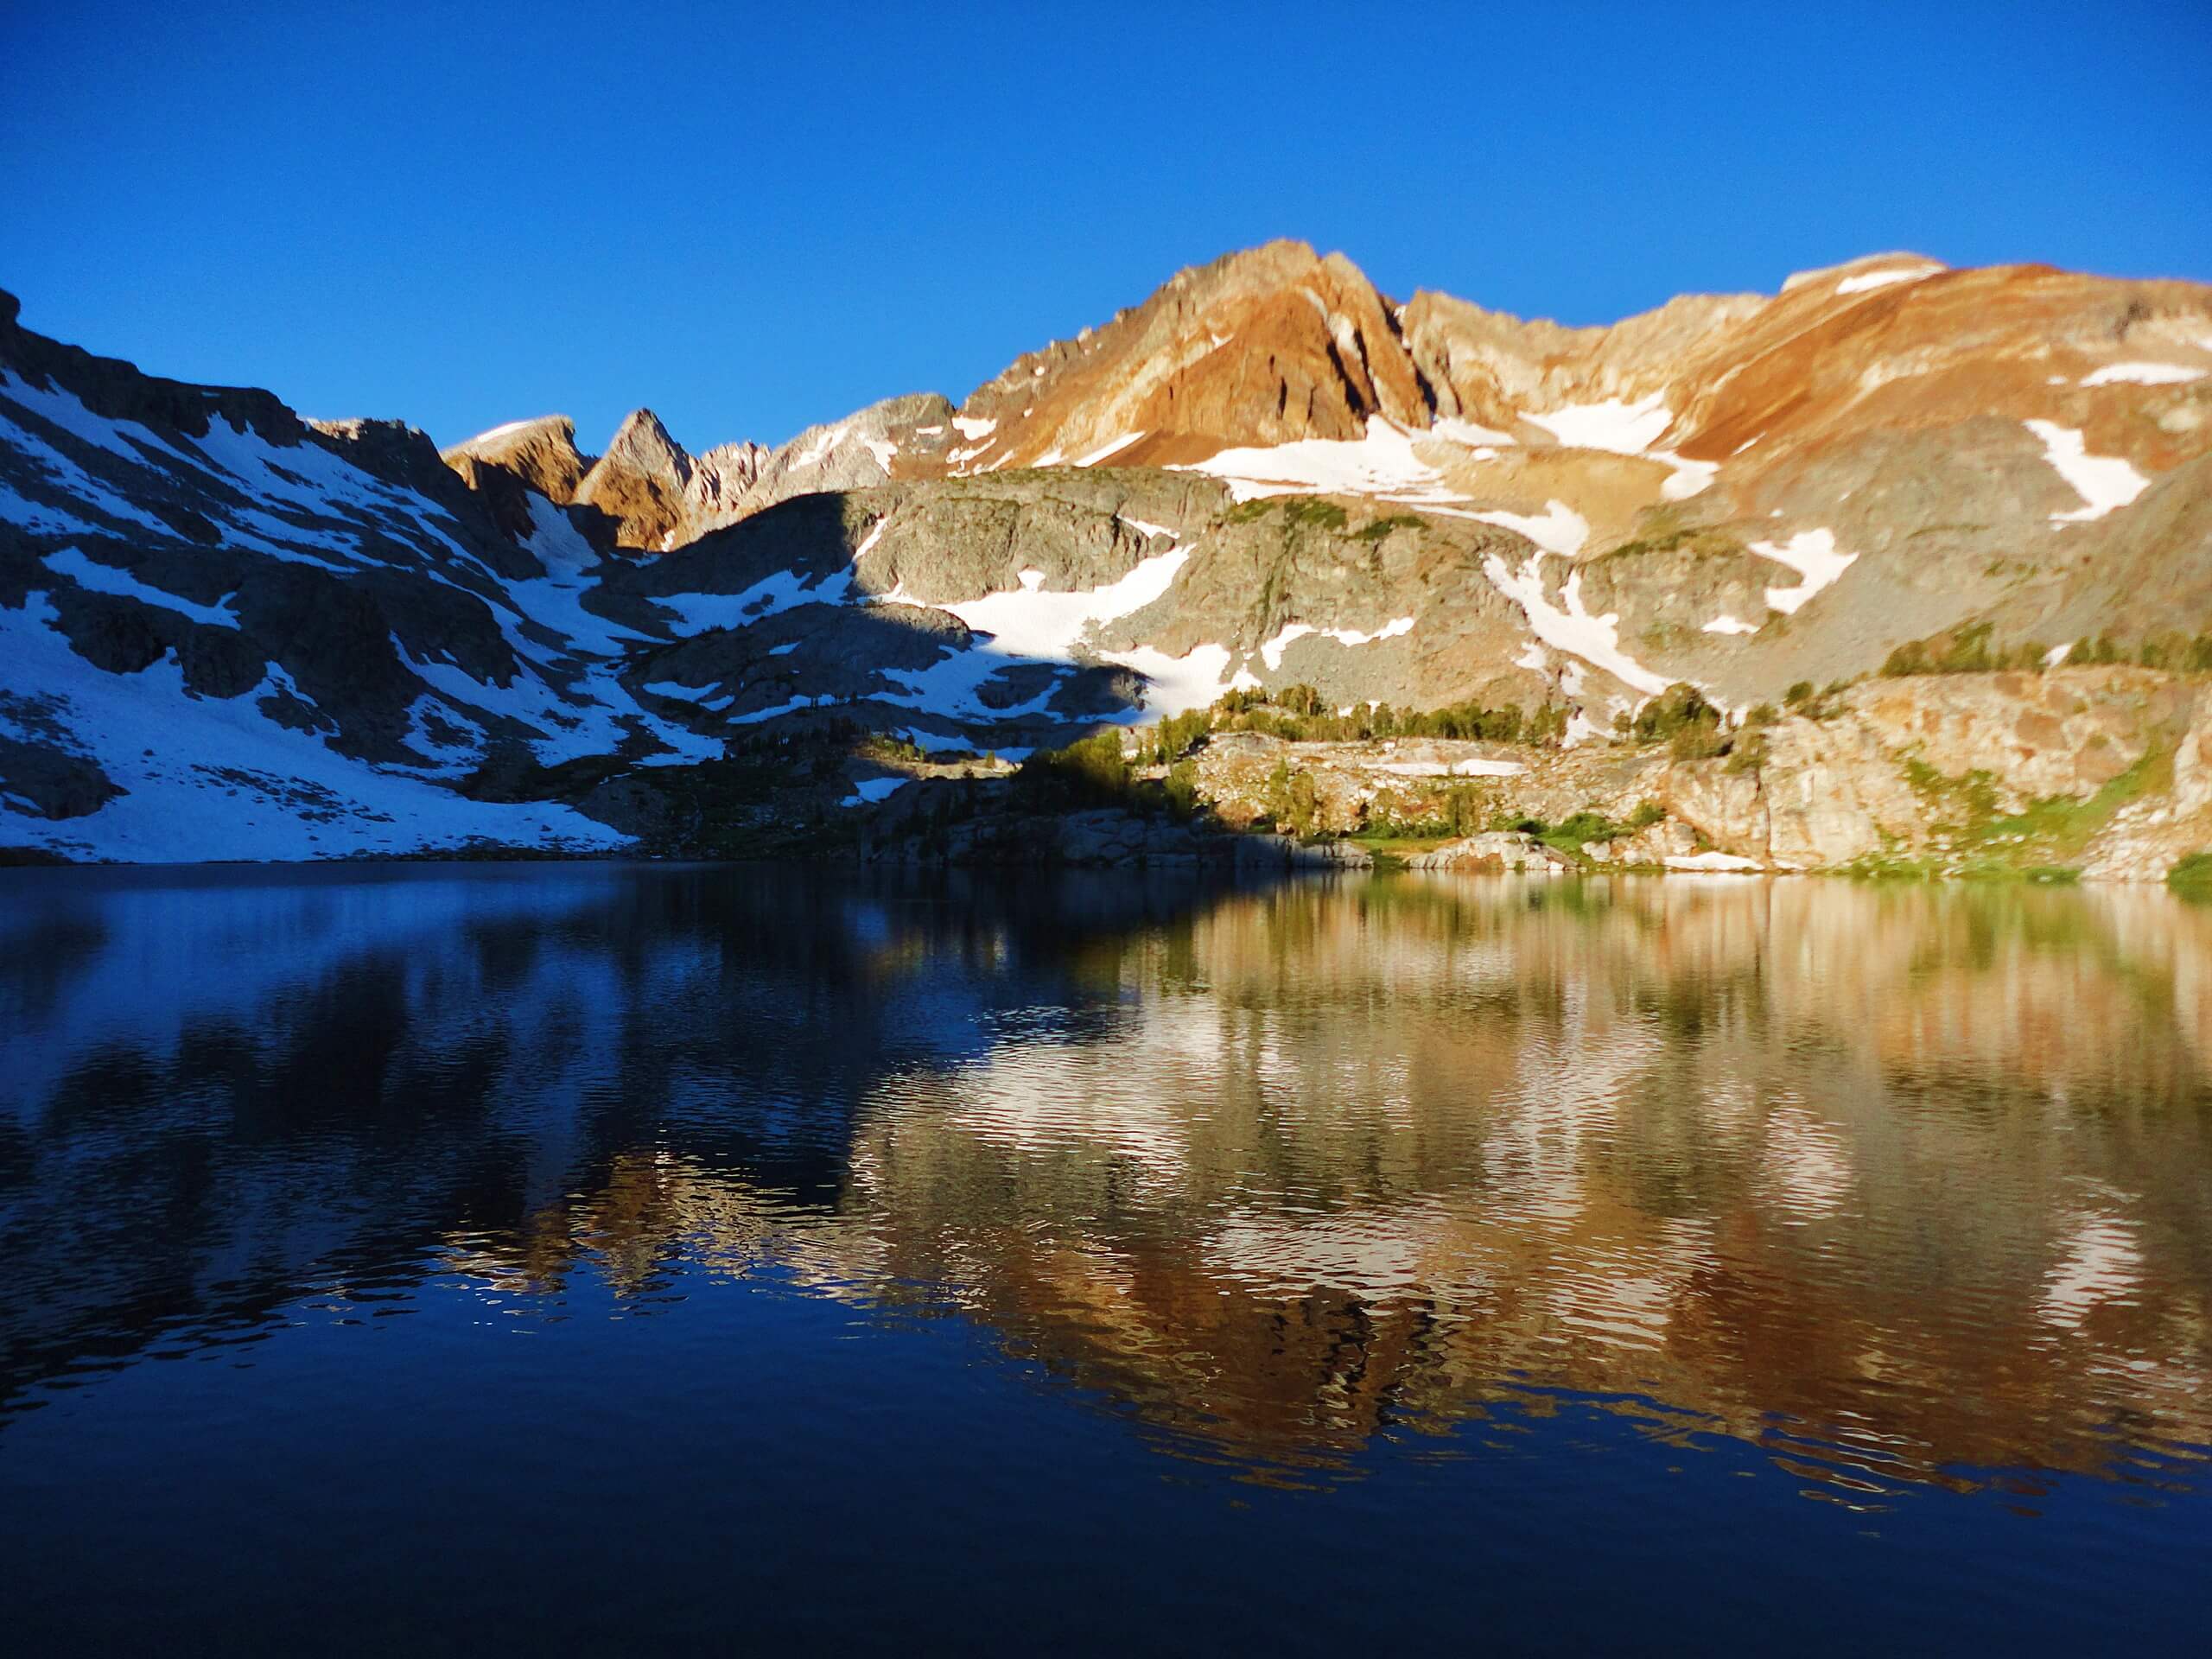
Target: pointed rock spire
(639, 483)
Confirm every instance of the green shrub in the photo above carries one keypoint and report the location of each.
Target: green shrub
(1678, 710)
(1298, 714)
(1090, 771)
(1181, 789)
(1587, 826)
(2193, 874)
(1173, 737)
(1275, 799)
(1697, 743)
(1965, 650)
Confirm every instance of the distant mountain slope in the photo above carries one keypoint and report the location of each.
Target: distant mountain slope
(226, 631)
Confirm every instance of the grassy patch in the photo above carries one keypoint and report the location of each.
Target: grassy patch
(1383, 527)
(1306, 509)
(1393, 852)
(1696, 540)
(2192, 876)
(2043, 841)
(1963, 650)
(1395, 843)
(1297, 511)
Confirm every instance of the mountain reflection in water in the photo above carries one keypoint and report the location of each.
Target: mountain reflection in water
(1899, 1188)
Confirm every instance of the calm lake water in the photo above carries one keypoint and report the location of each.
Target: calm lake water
(596, 1258)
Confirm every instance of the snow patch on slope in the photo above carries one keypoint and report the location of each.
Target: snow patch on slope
(1031, 622)
(1812, 554)
(1558, 528)
(214, 778)
(1568, 626)
(1271, 651)
(1690, 477)
(555, 599)
(1873, 279)
(2143, 374)
(770, 596)
(2104, 482)
(1178, 685)
(869, 791)
(1112, 447)
(105, 579)
(1625, 428)
(874, 536)
(1716, 864)
(64, 409)
(1382, 463)
(499, 431)
(66, 476)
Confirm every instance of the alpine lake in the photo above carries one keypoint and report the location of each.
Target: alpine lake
(608, 1258)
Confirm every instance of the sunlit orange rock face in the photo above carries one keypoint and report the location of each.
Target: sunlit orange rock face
(1739, 491)
(1278, 344)
(541, 453)
(1262, 347)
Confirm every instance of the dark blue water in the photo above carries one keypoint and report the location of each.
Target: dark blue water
(597, 1259)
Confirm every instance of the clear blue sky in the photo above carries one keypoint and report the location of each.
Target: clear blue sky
(752, 219)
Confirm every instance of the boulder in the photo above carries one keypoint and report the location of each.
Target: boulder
(1494, 852)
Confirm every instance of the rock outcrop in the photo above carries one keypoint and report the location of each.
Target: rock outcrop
(642, 484)
(1494, 852)
(540, 454)
(2102, 771)
(1268, 346)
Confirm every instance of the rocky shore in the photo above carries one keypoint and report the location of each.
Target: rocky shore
(2098, 773)
(1100, 838)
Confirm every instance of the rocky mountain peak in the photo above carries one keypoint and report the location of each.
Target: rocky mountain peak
(1271, 345)
(721, 476)
(641, 444)
(540, 453)
(641, 483)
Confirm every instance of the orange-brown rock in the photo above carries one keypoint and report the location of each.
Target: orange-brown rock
(640, 483)
(541, 452)
(1265, 346)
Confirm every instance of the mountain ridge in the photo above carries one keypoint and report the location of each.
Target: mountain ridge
(1266, 474)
